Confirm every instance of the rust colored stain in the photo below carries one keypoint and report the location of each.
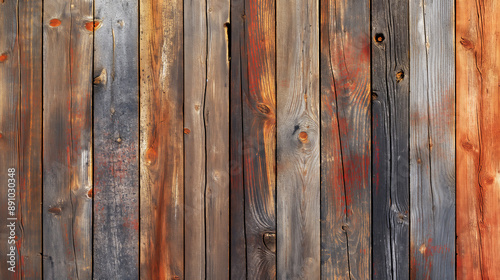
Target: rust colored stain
(151, 156)
(187, 130)
(303, 137)
(3, 57)
(55, 22)
(93, 25)
(55, 210)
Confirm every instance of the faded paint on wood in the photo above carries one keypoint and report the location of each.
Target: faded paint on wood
(477, 139)
(390, 140)
(216, 115)
(345, 140)
(116, 118)
(298, 140)
(195, 88)
(161, 140)
(10, 92)
(67, 139)
(432, 141)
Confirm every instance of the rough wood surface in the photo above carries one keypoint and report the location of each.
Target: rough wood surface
(345, 140)
(10, 91)
(390, 139)
(116, 118)
(477, 138)
(195, 67)
(237, 199)
(161, 140)
(67, 139)
(298, 140)
(30, 138)
(432, 141)
(217, 141)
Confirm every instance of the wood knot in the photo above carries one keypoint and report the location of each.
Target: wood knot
(303, 137)
(467, 44)
(55, 22)
(419, 161)
(90, 193)
(467, 146)
(186, 130)
(374, 96)
(400, 76)
(379, 37)
(55, 210)
(270, 241)
(263, 108)
(93, 25)
(102, 78)
(486, 179)
(119, 140)
(345, 227)
(151, 156)
(3, 57)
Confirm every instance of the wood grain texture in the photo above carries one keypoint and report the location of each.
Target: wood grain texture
(259, 137)
(345, 140)
(30, 138)
(195, 67)
(116, 140)
(298, 140)
(10, 92)
(477, 134)
(67, 140)
(432, 143)
(238, 254)
(161, 140)
(216, 116)
(390, 139)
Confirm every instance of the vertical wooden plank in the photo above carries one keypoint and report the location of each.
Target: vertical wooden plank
(116, 118)
(30, 138)
(67, 139)
(161, 134)
(345, 139)
(217, 140)
(10, 86)
(390, 139)
(298, 140)
(478, 150)
(432, 142)
(195, 67)
(237, 199)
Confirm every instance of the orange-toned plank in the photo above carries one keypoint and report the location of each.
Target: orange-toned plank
(477, 138)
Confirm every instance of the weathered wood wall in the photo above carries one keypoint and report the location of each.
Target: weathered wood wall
(249, 139)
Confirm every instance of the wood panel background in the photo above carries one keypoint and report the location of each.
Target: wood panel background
(249, 139)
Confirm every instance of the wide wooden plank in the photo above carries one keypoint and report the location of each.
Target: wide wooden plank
(161, 140)
(390, 139)
(10, 93)
(30, 138)
(345, 140)
(217, 140)
(116, 120)
(67, 139)
(237, 199)
(432, 141)
(478, 148)
(298, 140)
(195, 67)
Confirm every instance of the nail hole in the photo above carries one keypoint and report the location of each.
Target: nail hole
(400, 76)
(379, 37)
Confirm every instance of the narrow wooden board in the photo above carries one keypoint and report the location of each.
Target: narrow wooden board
(161, 140)
(237, 199)
(10, 93)
(30, 137)
(116, 121)
(477, 136)
(390, 139)
(298, 140)
(432, 139)
(195, 88)
(67, 139)
(216, 117)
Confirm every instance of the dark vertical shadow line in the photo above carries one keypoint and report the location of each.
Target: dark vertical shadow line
(138, 152)
(320, 140)
(275, 135)
(242, 45)
(205, 135)
(409, 136)
(371, 139)
(183, 141)
(455, 115)
(92, 140)
(19, 125)
(41, 144)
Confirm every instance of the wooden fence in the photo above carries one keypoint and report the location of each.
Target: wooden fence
(249, 139)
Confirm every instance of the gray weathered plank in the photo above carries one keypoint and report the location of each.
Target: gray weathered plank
(390, 139)
(298, 140)
(116, 118)
(67, 139)
(432, 142)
